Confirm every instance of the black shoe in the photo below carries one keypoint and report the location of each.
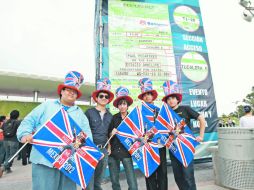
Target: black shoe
(8, 170)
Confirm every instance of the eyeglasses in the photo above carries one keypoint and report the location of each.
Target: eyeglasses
(103, 96)
(71, 91)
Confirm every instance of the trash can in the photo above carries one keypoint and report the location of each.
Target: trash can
(216, 165)
(235, 157)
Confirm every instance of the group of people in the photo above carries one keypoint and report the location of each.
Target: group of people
(9, 143)
(100, 125)
(247, 120)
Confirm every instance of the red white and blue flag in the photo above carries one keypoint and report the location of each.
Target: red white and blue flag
(150, 111)
(61, 141)
(138, 135)
(176, 135)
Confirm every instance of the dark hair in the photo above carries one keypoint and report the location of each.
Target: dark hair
(60, 95)
(247, 109)
(175, 96)
(123, 100)
(14, 114)
(151, 93)
(2, 118)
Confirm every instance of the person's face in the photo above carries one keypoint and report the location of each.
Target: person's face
(172, 101)
(123, 107)
(69, 96)
(102, 99)
(148, 97)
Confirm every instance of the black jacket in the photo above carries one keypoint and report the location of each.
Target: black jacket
(117, 149)
(15, 124)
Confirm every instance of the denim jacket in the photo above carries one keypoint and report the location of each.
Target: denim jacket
(39, 115)
(98, 126)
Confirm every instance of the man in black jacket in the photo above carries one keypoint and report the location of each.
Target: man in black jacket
(99, 119)
(118, 152)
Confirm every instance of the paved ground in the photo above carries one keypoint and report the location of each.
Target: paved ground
(20, 178)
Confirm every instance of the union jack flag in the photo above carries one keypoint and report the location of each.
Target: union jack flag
(176, 135)
(150, 111)
(74, 78)
(138, 135)
(145, 84)
(103, 84)
(61, 141)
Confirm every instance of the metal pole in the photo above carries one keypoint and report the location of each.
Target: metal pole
(17, 152)
(101, 39)
(108, 141)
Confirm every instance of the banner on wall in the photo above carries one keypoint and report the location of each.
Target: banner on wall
(162, 40)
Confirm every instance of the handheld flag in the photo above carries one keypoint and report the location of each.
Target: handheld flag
(176, 135)
(62, 142)
(150, 111)
(138, 135)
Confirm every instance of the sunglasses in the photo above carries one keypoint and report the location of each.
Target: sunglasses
(103, 96)
(71, 91)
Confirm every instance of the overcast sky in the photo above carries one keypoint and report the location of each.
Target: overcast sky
(51, 37)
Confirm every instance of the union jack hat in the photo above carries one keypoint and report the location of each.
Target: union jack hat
(146, 85)
(103, 85)
(122, 93)
(72, 80)
(171, 88)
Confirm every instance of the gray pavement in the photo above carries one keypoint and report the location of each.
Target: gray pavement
(20, 178)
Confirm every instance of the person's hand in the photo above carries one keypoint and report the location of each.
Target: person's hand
(109, 151)
(114, 131)
(27, 138)
(199, 139)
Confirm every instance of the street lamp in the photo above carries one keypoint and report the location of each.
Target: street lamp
(248, 12)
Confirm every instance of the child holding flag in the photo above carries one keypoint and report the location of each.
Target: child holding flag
(118, 153)
(184, 177)
(158, 180)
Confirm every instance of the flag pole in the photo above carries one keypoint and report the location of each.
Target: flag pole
(17, 152)
(108, 141)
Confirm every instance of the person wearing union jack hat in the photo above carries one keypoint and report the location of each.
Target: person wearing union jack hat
(148, 94)
(118, 152)
(99, 118)
(44, 175)
(184, 177)
(158, 180)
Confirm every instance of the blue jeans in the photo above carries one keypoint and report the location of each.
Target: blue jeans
(10, 148)
(46, 178)
(96, 179)
(184, 177)
(114, 170)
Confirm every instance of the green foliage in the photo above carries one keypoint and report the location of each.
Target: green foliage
(23, 107)
(249, 99)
